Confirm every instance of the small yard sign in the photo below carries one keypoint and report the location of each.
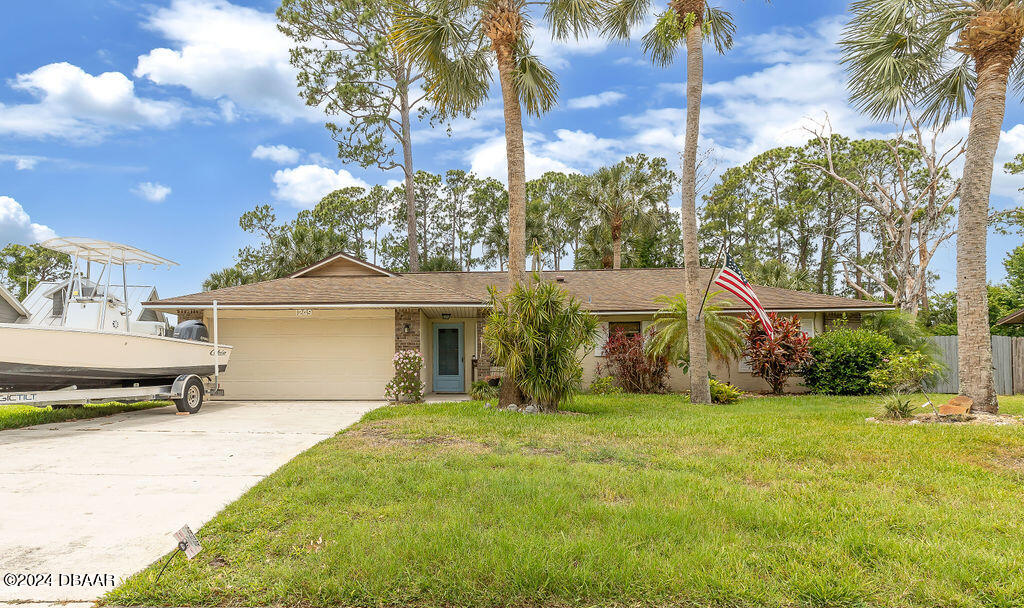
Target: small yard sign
(191, 544)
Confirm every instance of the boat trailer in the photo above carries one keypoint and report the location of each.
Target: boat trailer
(187, 392)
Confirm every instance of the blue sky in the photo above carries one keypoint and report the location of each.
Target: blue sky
(157, 124)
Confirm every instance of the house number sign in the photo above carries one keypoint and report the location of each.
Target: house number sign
(304, 313)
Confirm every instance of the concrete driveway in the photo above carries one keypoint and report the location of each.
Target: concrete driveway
(102, 497)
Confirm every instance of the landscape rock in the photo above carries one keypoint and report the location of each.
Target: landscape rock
(530, 409)
(957, 405)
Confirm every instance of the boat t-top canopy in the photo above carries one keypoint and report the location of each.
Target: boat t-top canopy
(104, 252)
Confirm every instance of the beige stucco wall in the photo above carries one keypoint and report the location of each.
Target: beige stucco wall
(725, 371)
(307, 353)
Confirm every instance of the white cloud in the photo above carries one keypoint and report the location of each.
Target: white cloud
(562, 154)
(280, 154)
(22, 162)
(17, 227)
(598, 100)
(756, 111)
(305, 185)
(76, 105)
(152, 191)
(225, 52)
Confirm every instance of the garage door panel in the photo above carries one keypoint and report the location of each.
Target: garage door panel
(308, 358)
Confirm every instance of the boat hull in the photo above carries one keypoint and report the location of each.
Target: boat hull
(49, 358)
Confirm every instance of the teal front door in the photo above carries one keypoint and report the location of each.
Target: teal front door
(449, 370)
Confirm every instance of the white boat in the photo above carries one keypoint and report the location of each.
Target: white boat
(96, 345)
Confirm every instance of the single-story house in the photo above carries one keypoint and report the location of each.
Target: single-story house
(329, 331)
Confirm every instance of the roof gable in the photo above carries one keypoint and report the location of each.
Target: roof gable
(341, 265)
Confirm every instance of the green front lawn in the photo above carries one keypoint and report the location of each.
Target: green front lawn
(17, 416)
(636, 500)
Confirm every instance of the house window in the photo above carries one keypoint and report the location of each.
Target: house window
(807, 326)
(629, 328)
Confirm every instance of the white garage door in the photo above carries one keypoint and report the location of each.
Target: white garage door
(308, 358)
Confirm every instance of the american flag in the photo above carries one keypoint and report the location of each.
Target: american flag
(731, 278)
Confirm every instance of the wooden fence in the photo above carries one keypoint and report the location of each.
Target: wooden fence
(1007, 364)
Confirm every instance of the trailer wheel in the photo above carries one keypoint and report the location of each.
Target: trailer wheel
(191, 396)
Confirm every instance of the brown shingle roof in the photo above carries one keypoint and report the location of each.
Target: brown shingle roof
(631, 290)
(1014, 318)
(308, 291)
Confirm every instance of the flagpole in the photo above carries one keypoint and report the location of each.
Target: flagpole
(714, 270)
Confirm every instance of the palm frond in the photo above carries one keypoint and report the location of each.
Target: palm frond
(573, 18)
(458, 86)
(424, 36)
(950, 93)
(664, 39)
(720, 25)
(897, 55)
(622, 16)
(535, 83)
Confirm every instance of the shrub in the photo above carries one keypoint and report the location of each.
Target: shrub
(482, 390)
(724, 393)
(406, 384)
(604, 385)
(776, 358)
(633, 368)
(844, 359)
(902, 373)
(537, 333)
(904, 331)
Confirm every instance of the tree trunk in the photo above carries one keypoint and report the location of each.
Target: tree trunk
(975, 340)
(859, 276)
(616, 246)
(700, 388)
(515, 155)
(410, 186)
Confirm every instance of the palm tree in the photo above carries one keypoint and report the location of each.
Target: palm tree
(671, 331)
(684, 23)
(441, 35)
(937, 55)
(622, 196)
(773, 273)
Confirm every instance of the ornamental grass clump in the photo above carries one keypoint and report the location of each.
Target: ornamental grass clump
(538, 333)
(406, 385)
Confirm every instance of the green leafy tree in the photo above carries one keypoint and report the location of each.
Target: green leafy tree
(22, 267)
(684, 24)
(347, 211)
(349, 68)
(942, 55)
(554, 193)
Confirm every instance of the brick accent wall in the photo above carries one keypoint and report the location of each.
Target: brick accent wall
(407, 340)
(483, 362)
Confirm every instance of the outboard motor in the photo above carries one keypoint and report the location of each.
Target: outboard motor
(192, 330)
